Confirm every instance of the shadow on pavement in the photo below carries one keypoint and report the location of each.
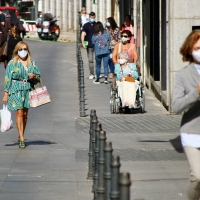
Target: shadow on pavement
(39, 142)
(176, 143)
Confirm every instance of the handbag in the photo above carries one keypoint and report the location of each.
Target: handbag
(39, 96)
(129, 79)
(6, 121)
(4, 49)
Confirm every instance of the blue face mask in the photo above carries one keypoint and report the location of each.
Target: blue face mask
(92, 20)
(108, 24)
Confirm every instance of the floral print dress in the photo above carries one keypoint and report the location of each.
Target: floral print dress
(18, 85)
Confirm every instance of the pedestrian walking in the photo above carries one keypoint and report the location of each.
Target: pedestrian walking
(22, 74)
(125, 46)
(13, 38)
(113, 29)
(186, 100)
(101, 40)
(128, 25)
(84, 16)
(86, 40)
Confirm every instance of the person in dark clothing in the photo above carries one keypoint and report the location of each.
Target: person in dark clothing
(2, 23)
(13, 39)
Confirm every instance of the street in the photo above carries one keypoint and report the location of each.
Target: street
(54, 164)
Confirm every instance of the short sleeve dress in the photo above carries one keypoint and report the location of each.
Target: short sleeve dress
(18, 85)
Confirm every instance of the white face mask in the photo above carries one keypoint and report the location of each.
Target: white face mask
(23, 53)
(125, 39)
(122, 61)
(196, 55)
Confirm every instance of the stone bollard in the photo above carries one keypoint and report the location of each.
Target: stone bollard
(107, 173)
(95, 179)
(124, 185)
(115, 166)
(101, 189)
(90, 153)
(82, 92)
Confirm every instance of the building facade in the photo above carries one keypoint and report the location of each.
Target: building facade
(160, 27)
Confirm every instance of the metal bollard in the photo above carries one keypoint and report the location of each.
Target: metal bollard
(107, 173)
(82, 92)
(101, 189)
(124, 184)
(94, 126)
(115, 166)
(90, 153)
(95, 179)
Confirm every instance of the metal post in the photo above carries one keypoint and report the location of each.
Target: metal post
(95, 183)
(90, 153)
(101, 189)
(125, 183)
(115, 166)
(107, 174)
(94, 126)
(82, 92)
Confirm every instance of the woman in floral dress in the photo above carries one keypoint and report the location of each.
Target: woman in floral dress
(22, 74)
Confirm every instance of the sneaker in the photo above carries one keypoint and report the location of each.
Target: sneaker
(91, 77)
(106, 82)
(96, 81)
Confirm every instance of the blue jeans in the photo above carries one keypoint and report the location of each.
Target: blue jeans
(99, 58)
(111, 64)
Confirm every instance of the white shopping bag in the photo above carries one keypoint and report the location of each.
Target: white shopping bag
(6, 121)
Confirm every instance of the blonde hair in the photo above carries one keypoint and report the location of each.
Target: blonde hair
(15, 53)
(14, 31)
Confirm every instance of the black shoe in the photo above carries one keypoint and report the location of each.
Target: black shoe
(96, 81)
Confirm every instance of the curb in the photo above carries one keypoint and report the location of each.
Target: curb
(65, 40)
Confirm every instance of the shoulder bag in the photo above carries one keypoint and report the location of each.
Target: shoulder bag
(39, 96)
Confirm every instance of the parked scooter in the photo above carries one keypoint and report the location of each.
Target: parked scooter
(48, 29)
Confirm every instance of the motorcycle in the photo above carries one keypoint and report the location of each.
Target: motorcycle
(48, 30)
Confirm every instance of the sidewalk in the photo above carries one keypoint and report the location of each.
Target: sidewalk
(54, 164)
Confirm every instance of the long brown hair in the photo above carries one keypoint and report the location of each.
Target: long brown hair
(187, 47)
(15, 53)
(14, 31)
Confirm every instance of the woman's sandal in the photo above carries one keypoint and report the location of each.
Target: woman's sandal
(22, 144)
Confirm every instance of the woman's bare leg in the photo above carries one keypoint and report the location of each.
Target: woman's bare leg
(20, 123)
(25, 112)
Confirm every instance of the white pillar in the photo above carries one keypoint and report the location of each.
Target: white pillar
(69, 15)
(59, 12)
(108, 6)
(46, 6)
(64, 15)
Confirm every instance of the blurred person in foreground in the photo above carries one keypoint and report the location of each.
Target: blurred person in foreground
(186, 100)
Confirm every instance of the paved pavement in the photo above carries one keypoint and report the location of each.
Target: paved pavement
(55, 163)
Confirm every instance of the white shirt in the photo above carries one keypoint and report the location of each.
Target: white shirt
(84, 18)
(192, 140)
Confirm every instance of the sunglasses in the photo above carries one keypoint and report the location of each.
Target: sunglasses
(125, 36)
(25, 49)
